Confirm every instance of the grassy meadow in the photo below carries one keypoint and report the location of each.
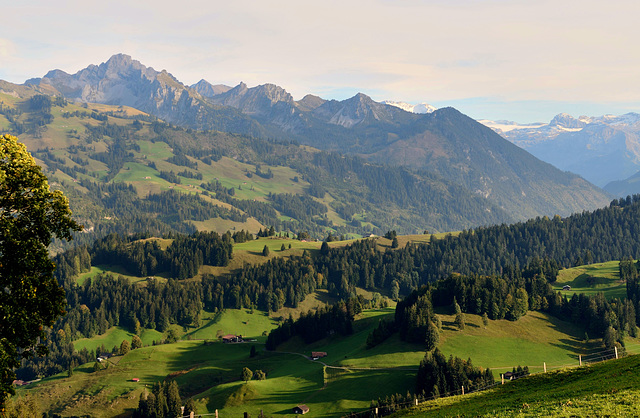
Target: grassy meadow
(610, 389)
(210, 373)
(591, 279)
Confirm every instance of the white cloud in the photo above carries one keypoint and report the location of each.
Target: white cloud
(413, 51)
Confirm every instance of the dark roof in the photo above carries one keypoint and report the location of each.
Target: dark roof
(303, 408)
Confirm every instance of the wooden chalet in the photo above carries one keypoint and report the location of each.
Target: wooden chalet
(318, 354)
(300, 409)
(231, 338)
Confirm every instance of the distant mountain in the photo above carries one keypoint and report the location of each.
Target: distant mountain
(207, 89)
(124, 81)
(600, 149)
(417, 108)
(626, 187)
(444, 142)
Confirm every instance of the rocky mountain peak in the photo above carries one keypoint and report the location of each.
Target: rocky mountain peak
(207, 89)
(564, 120)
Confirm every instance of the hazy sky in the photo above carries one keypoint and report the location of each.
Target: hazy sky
(499, 59)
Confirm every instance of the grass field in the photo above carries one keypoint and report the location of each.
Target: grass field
(608, 389)
(211, 373)
(591, 279)
(114, 337)
(234, 321)
(534, 339)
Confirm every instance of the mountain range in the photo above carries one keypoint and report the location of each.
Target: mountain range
(604, 150)
(444, 142)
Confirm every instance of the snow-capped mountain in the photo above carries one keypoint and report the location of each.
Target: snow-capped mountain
(609, 143)
(417, 108)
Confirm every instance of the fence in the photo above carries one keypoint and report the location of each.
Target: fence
(598, 357)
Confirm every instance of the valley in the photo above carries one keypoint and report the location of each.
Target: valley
(233, 234)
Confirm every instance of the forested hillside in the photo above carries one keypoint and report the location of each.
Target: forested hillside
(123, 170)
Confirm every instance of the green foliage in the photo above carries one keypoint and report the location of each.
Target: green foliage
(265, 251)
(247, 374)
(259, 375)
(449, 375)
(136, 342)
(124, 347)
(30, 216)
(314, 326)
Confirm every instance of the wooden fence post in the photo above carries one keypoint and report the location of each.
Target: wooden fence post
(580, 358)
(216, 413)
(463, 390)
(502, 376)
(545, 367)
(376, 411)
(416, 401)
(616, 348)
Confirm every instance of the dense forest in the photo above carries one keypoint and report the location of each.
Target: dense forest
(511, 269)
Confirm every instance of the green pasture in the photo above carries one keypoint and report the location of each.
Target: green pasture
(108, 269)
(254, 325)
(534, 339)
(114, 337)
(608, 389)
(210, 371)
(591, 279)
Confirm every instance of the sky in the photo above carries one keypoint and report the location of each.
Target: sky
(524, 61)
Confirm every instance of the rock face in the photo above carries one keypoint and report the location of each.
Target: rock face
(124, 81)
(207, 89)
(600, 149)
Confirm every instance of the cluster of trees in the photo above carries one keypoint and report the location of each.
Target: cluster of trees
(162, 402)
(317, 325)
(182, 258)
(170, 176)
(107, 301)
(504, 297)
(384, 330)
(438, 376)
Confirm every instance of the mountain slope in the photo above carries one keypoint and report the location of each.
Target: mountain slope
(445, 141)
(610, 143)
(239, 182)
(124, 81)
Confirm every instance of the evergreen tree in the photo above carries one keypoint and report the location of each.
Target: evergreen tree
(174, 403)
(189, 406)
(433, 336)
(265, 251)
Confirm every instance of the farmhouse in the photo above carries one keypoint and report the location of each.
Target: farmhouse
(301, 409)
(509, 376)
(566, 287)
(315, 355)
(230, 338)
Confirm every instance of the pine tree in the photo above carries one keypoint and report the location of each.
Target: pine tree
(174, 403)
(433, 336)
(265, 251)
